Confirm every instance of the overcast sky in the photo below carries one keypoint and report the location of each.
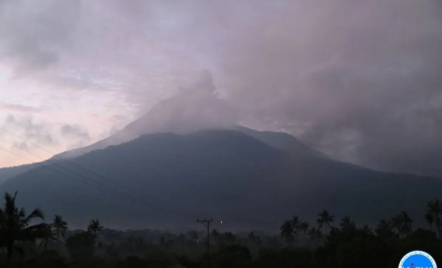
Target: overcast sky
(359, 80)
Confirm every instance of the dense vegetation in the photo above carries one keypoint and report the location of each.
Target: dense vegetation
(326, 243)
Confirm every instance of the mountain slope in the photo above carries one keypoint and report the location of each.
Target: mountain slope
(10, 172)
(282, 141)
(227, 175)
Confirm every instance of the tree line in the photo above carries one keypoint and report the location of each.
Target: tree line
(326, 243)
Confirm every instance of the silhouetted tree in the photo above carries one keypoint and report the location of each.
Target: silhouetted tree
(14, 225)
(94, 227)
(430, 220)
(325, 219)
(287, 231)
(434, 208)
(254, 238)
(303, 227)
(315, 234)
(60, 227)
(48, 235)
(216, 236)
(81, 245)
(384, 231)
(346, 222)
(295, 224)
(401, 224)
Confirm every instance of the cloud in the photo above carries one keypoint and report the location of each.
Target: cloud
(359, 80)
(31, 34)
(26, 128)
(18, 108)
(74, 131)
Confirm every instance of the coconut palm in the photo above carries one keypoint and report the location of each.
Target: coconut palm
(325, 219)
(60, 227)
(434, 208)
(94, 227)
(15, 225)
(295, 224)
(406, 223)
(315, 234)
(49, 235)
(346, 222)
(396, 224)
(216, 236)
(384, 229)
(430, 220)
(287, 231)
(303, 227)
(194, 236)
(401, 224)
(312, 233)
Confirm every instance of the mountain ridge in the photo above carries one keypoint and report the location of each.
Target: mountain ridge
(242, 181)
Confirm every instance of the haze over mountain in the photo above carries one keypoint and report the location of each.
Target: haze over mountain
(359, 81)
(287, 89)
(166, 180)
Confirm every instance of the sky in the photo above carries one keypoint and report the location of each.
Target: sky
(358, 80)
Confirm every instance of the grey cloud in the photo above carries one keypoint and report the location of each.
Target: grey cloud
(25, 127)
(18, 108)
(21, 145)
(359, 80)
(74, 131)
(33, 33)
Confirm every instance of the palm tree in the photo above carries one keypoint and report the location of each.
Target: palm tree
(406, 223)
(312, 233)
(324, 220)
(94, 227)
(216, 236)
(48, 236)
(287, 231)
(194, 236)
(15, 225)
(401, 223)
(304, 227)
(315, 234)
(346, 222)
(396, 224)
(295, 224)
(252, 237)
(434, 208)
(430, 219)
(384, 230)
(60, 227)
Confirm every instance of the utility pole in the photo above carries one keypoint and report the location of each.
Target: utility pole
(206, 224)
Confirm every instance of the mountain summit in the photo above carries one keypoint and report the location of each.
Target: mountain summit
(166, 180)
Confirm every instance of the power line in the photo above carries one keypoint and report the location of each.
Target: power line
(46, 166)
(106, 180)
(87, 182)
(60, 166)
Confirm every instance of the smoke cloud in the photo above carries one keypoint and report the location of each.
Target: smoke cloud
(358, 80)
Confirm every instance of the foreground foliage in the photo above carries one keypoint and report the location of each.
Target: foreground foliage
(330, 243)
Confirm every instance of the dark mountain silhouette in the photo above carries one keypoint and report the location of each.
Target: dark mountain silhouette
(191, 110)
(227, 175)
(9, 172)
(277, 140)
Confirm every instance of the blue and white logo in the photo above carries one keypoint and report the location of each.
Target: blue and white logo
(417, 259)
